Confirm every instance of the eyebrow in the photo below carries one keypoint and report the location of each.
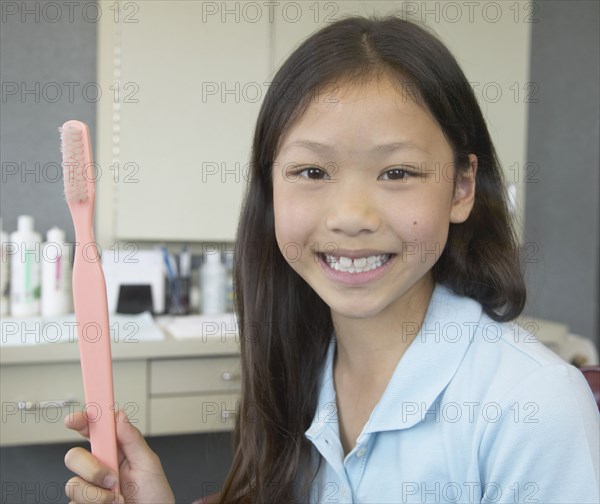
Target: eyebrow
(320, 148)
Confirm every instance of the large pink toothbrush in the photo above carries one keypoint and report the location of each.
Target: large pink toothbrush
(89, 294)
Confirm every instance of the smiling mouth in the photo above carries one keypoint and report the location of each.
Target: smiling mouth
(358, 265)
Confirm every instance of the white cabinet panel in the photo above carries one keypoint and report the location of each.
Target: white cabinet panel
(190, 87)
(37, 397)
(191, 414)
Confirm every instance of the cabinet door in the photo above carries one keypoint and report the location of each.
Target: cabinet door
(193, 394)
(37, 397)
(192, 414)
(186, 85)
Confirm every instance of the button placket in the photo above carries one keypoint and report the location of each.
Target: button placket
(356, 462)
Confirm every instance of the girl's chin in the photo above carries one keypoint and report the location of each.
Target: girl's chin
(354, 310)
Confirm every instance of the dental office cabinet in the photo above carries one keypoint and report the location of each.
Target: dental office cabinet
(166, 386)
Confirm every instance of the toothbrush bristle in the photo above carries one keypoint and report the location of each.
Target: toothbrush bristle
(72, 149)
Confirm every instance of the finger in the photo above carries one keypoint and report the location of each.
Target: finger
(132, 443)
(84, 464)
(83, 492)
(78, 421)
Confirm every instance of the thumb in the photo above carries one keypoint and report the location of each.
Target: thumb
(132, 443)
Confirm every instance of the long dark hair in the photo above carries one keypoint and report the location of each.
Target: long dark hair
(284, 326)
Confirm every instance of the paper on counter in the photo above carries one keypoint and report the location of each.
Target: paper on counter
(22, 331)
(201, 326)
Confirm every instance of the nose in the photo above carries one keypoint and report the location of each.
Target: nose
(352, 210)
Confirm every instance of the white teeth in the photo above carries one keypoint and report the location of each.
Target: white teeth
(345, 262)
(359, 265)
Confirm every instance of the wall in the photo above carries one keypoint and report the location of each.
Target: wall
(561, 206)
(48, 73)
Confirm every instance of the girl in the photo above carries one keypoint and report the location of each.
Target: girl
(376, 271)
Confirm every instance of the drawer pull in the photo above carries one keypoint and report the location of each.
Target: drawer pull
(227, 376)
(41, 405)
(227, 414)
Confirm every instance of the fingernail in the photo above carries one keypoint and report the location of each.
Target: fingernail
(109, 481)
(119, 500)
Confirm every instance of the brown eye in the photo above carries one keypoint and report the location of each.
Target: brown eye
(396, 174)
(312, 173)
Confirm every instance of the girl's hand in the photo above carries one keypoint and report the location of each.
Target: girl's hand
(141, 476)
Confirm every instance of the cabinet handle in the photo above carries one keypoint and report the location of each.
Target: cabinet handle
(227, 376)
(227, 413)
(41, 405)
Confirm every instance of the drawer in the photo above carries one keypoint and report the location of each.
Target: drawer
(194, 375)
(190, 414)
(37, 397)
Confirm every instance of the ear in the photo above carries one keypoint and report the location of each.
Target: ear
(464, 192)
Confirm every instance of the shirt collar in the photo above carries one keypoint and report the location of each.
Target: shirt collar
(422, 373)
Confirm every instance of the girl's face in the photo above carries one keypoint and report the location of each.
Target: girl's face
(363, 192)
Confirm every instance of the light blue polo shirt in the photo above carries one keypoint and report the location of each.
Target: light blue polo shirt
(475, 412)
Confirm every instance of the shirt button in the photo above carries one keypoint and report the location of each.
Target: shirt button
(361, 452)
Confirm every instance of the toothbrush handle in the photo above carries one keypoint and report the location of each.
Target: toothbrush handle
(93, 331)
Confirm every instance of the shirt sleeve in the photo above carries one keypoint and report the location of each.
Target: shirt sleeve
(541, 443)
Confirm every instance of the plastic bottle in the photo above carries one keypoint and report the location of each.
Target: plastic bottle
(229, 290)
(4, 274)
(25, 269)
(213, 278)
(57, 297)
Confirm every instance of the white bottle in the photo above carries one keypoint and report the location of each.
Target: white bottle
(57, 298)
(4, 273)
(213, 281)
(229, 290)
(25, 269)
